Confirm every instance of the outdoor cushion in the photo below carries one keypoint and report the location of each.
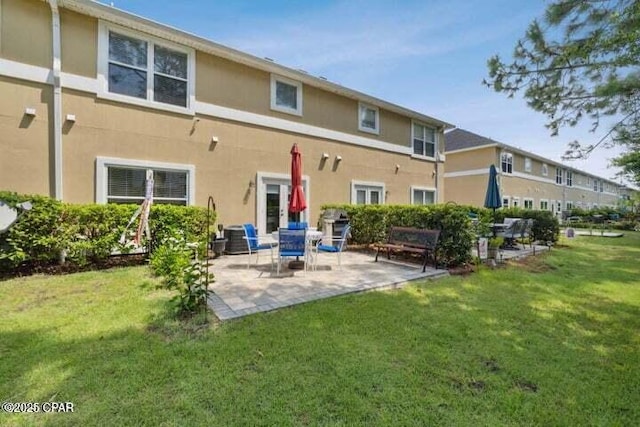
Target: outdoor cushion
(328, 248)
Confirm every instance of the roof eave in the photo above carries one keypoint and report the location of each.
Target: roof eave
(139, 23)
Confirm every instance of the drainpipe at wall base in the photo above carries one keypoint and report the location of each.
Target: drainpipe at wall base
(437, 174)
(57, 100)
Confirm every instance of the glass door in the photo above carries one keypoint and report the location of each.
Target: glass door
(273, 203)
(277, 203)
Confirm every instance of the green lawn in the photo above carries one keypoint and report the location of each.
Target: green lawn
(554, 341)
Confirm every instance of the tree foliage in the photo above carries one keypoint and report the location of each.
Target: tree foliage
(580, 62)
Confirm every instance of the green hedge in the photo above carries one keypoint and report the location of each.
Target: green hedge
(87, 234)
(546, 227)
(370, 223)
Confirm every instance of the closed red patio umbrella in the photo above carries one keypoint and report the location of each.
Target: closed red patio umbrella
(297, 202)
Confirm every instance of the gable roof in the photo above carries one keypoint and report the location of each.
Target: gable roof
(459, 139)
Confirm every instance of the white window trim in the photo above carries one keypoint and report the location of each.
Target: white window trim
(295, 111)
(436, 143)
(530, 163)
(510, 155)
(561, 176)
(375, 131)
(566, 204)
(545, 169)
(515, 200)
(103, 70)
(355, 183)
(528, 199)
(504, 196)
(546, 201)
(102, 181)
(420, 188)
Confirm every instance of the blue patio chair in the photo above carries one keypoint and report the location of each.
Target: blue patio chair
(297, 225)
(333, 246)
(291, 243)
(254, 245)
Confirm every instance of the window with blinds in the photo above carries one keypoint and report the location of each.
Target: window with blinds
(127, 185)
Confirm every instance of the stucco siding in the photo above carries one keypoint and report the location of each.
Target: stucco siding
(225, 169)
(26, 32)
(24, 139)
(79, 40)
(481, 158)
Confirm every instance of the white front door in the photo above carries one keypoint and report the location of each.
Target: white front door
(273, 195)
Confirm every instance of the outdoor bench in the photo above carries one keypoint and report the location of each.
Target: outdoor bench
(411, 240)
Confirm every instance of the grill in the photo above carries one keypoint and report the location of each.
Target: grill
(236, 244)
(334, 221)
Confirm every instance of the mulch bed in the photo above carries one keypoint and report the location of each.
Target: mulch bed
(29, 269)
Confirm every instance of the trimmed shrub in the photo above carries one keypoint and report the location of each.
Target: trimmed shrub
(87, 234)
(370, 224)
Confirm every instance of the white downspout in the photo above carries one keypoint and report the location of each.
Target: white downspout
(57, 100)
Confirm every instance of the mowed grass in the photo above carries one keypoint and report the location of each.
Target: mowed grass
(554, 340)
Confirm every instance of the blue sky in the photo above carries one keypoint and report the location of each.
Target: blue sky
(429, 56)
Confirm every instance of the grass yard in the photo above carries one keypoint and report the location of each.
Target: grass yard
(552, 341)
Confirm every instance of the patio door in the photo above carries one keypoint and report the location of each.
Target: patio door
(273, 202)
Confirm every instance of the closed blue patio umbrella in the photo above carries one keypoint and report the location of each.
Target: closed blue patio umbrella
(492, 199)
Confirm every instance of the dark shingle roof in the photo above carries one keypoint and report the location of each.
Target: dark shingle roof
(458, 139)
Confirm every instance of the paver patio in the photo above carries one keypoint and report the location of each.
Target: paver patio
(238, 291)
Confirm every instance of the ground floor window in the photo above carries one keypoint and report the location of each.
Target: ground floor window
(528, 203)
(367, 193)
(423, 196)
(544, 205)
(125, 181)
(515, 202)
(505, 202)
(569, 205)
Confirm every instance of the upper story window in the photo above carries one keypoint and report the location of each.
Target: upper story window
(545, 169)
(569, 179)
(527, 164)
(507, 162)
(286, 95)
(595, 185)
(558, 176)
(424, 140)
(601, 186)
(368, 118)
(145, 71)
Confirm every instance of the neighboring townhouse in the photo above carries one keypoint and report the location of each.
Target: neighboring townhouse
(94, 101)
(526, 180)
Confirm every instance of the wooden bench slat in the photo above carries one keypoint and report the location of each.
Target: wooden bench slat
(413, 240)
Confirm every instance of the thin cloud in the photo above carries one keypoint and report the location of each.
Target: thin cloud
(343, 34)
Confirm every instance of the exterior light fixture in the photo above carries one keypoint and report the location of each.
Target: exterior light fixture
(29, 111)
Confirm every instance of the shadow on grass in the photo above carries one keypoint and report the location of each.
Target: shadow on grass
(498, 347)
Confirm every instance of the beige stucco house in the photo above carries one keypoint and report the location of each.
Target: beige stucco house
(94, 101)
(526, 179)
